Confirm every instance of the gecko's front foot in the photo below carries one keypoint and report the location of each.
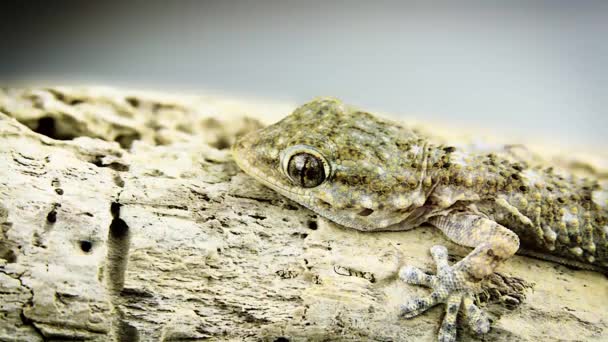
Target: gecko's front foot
(450, 286)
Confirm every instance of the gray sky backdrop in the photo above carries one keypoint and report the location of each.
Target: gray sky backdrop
(517, 67)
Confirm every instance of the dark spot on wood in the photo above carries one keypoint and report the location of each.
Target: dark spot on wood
(51, 217)
(8, 255)
(288, 206)
(118, 181)
(312, 225)
(221, 143)
(449, 149)
(86, 246)
(126, 140)
(365, 212)
(126, 332)
(136, 292)
(98, 161)
(47, 126)
(132, 101)
(118, 228)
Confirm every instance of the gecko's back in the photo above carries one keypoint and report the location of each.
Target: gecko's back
(553, 213)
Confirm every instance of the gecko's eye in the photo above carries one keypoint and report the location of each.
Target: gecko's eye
(306, 170)
(305, 166)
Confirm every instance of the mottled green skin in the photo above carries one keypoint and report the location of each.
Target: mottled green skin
(553, 214)
(386, 177)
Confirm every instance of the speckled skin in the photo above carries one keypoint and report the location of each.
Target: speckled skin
(379, 175)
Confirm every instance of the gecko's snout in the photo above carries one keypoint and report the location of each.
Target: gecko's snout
(239, 149)
(238, 145)
(242, 141)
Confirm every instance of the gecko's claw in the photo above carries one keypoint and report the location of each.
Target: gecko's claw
(450, 286)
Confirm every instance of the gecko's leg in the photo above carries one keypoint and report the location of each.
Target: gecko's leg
(455, 285)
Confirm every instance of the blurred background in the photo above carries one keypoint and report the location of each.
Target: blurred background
(519, 68)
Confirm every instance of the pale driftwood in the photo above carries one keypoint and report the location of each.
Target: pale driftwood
(126, 218)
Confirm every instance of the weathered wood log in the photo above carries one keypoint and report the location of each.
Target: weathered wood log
(123, 217)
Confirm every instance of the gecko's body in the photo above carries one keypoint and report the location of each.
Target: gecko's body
(371, 174)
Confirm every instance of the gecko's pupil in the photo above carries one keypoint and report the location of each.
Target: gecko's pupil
(306, 170)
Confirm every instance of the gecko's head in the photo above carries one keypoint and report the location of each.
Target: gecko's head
(347, 165)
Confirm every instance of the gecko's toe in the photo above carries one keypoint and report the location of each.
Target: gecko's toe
(439, 251)
(477, 319)
(447, 332)
(416, 306)
(440, 255)
(413, 275)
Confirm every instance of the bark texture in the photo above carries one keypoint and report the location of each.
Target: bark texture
(123, 217)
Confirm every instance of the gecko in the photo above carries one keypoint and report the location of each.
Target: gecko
(371, 174)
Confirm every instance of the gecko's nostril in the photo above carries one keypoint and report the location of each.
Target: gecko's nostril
(365, 212)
